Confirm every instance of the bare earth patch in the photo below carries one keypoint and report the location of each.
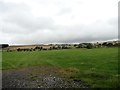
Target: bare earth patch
(38, 77)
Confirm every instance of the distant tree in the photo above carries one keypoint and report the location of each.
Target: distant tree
(104, 44)
(3, 45)
(44, 49)
(53, 47)
(34, 49)
(59, 47)
(41, 48)
(89, 46)
(82, 45)
(37, 47)
(50, 48)
(110, 44)
(75, 45)
(117, 45)
(99, 45)
(64, 46)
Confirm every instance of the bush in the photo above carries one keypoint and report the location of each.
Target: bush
(3, 45)
(81, 46)
(110, 44)
(89, 46)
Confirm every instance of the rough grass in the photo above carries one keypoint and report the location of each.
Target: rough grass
(95, 67)
(0, 59)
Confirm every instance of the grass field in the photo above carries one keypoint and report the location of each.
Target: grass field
(0, 60)
(95, 67)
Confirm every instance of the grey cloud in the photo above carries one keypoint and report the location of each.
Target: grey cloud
(20, 19)
(65, 11)
(64, 34)
(31, 23)
(19, 26)
(7, 7)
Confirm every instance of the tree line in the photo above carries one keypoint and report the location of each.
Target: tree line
(66, 46)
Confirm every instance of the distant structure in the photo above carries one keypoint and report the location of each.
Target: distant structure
(3, 45)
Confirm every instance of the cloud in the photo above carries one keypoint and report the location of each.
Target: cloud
(35, 22)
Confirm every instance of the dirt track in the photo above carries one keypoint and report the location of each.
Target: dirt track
(37, 77)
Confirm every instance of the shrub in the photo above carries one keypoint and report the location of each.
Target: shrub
(89, 46)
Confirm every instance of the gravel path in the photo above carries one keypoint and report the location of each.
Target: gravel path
(37, 77)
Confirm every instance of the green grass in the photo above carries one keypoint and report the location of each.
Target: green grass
(0, 60)
(95, 67)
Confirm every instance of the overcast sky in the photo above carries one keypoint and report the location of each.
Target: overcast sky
(58, 21)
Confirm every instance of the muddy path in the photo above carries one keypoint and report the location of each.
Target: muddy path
(38, 77)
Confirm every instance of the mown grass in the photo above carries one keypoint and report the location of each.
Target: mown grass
(94, 67)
